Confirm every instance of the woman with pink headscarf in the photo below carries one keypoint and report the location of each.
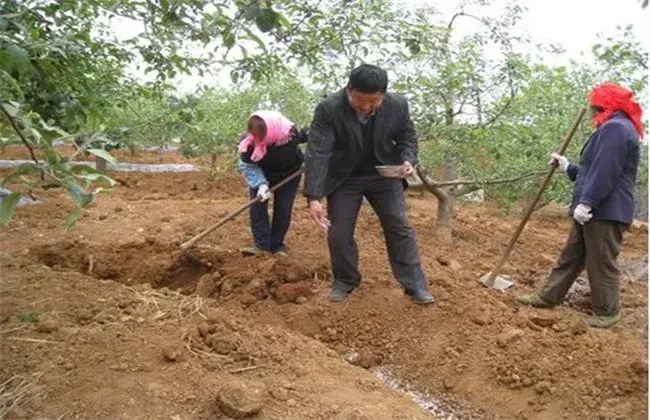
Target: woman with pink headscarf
(268, 153)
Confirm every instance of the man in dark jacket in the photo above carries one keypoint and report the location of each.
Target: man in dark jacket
(353, 131)
(602, 205)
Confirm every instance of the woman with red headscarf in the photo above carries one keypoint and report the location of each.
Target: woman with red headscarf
(602, 205)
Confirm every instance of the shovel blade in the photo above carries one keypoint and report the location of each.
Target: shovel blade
(501, 283)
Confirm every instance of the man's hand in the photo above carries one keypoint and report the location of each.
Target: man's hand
(263, 192)
(407, 169)
(562, 162)
(319, 214)
(582, 214)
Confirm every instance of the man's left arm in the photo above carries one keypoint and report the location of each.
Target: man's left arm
(607, 165)
(406, 140)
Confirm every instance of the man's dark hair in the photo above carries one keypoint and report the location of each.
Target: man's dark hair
(368, 79)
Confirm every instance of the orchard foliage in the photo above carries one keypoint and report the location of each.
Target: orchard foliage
(484, 106)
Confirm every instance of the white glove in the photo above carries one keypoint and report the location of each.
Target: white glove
(582, 214)
(562, 162)
(263, 192)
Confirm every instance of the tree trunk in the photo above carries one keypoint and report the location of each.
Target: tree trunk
(445, 217)
(100, 164)
(213, 167)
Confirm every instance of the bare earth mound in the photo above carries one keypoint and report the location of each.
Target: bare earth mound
(111, 321)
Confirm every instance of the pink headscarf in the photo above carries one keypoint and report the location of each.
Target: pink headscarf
(278, 128)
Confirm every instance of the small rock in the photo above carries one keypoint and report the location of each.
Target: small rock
(102, 217)
(118, 209)
(442, 260)
(542, 387)
(247, 299)
(455, 266)
(508, 337)
(480, 317)
(140, 230)
(451, 352)
(280, 394)
(543, 320)
(241, 399)
(68, 366)
(560, 326)
(121, 367)
(366, 359)
(172, 353)
(291, 402)
(301, 299)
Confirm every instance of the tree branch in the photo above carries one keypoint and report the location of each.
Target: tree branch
(422, 173)
(479, 182)
(20, 134)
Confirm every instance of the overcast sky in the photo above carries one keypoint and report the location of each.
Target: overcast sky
(572, 24)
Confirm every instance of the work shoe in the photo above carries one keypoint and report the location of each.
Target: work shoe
(337, 295)
(421, 297)
(534, 300)
(603, 321)
(252, 251)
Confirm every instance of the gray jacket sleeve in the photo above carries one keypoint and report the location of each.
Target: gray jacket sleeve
(318, 153)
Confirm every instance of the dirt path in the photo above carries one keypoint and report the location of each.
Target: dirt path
(475, 352)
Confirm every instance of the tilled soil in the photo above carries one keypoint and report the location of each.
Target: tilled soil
(110, 320)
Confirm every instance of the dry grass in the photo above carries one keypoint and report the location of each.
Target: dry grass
(15, 391)
(155, 305)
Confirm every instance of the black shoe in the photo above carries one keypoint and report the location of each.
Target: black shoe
(337, 295)
(421, 297)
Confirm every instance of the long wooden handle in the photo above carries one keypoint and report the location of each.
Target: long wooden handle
(236, 213)
(489, 282)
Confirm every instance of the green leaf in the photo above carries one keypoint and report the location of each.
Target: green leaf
(79, 195)
(96, 177)
(103, 154)
(267, 20)
(72, 218)
(228, 39)
(18, 58)
(8, 207)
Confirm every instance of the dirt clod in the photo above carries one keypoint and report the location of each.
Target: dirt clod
(289, 292)
(480, 317)
(206, 286)
(241, 399)
(577, 325)
(173, 352)
(47, 325)
(508, 337)
(544, 320)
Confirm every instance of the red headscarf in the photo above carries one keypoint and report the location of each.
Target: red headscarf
(612, 98)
